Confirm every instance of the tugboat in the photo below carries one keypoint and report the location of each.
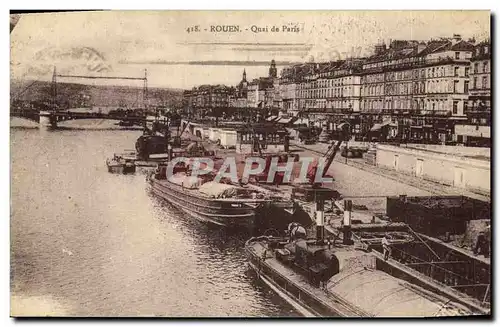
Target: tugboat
(121, 164)
(329, 277)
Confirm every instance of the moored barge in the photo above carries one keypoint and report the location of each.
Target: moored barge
(218, 203)
(332, 280)
(121, 164)
(349, 273)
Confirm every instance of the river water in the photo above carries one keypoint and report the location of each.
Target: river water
(88, 243)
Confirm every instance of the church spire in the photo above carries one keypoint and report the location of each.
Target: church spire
(244, 75)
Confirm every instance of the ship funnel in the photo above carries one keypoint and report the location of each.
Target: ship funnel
(347, 221)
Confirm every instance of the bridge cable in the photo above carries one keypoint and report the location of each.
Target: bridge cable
(26, 88)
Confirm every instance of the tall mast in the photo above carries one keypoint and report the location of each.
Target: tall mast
(145, 89)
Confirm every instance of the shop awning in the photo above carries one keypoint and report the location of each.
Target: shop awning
(283, 120)
(341, 125)
(302, 129)
(271, 118)
(378, 126)
(301, 121)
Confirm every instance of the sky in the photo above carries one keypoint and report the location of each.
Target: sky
(175, 55)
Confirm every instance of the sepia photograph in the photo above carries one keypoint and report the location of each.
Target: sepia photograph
(250, 164)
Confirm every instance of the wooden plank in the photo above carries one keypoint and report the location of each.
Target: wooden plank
(435, 262)
(455, 248)
(470, 285)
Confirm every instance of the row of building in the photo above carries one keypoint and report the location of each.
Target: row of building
(433, 85)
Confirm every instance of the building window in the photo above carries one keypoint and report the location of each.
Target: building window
(455, 86)
(455, 107)
(466, 86)
(485, 67)
(486, 49)
(456, 71)
(476, 68)
(457, 55)
(485, 82)
(474, 83)
(466, 71)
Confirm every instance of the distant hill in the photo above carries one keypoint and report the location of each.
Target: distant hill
(71, 95)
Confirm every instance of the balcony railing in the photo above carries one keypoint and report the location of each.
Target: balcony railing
(414, 64)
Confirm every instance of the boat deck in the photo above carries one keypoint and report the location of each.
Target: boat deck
(358, 290)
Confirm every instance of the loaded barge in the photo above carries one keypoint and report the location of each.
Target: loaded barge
(206, 200)
(429, 262)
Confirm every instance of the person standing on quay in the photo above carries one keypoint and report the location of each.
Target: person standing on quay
(386, 247)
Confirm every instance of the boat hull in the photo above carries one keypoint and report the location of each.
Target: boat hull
(222, 212)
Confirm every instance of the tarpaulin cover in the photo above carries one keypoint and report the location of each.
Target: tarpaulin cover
(190, 182)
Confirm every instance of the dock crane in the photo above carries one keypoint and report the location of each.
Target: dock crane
(176, 140)
(330, 154)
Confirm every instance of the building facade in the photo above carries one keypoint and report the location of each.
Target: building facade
(480, 83)
(409, 89)
(476, 131)
(208, 96)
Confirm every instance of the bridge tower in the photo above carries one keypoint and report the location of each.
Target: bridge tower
(54, 90)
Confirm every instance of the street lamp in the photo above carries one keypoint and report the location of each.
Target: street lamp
(345, 126)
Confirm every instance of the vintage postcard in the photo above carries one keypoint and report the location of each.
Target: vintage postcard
(250, 164)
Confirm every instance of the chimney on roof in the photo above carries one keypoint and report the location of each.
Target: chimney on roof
(380, 48)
